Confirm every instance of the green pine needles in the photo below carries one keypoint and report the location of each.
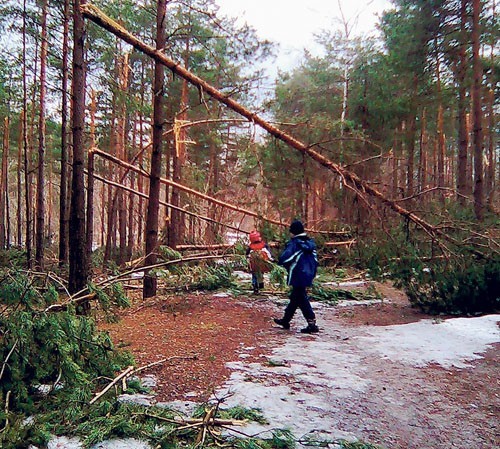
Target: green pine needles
(50, 361)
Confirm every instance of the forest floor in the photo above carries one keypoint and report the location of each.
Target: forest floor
(378, 371)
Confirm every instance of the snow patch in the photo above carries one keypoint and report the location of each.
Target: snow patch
(449, 343)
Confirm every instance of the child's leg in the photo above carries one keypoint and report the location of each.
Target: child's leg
(255, 282)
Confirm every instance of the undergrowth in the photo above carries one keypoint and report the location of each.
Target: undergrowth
(334, 295)
(464, 281)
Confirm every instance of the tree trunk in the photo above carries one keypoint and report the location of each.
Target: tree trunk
(478, 114)
(4, 186)
(90, 177)
(63, 189)
(492, 155)
(150, 282)
(78, 266)
(440, 133)
(410, 152)
(463, 136)
(395, 164)
(27, 195)
(19, 214)
(124, 70)
(40, 192)
(424, 144)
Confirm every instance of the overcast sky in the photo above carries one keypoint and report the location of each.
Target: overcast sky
(292, 23)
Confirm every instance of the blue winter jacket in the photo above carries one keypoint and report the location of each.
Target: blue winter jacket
(301, 260)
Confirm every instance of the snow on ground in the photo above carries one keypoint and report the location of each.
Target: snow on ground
(453, 342)
(309, 380)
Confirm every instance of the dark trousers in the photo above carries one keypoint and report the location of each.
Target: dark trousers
(299, 300)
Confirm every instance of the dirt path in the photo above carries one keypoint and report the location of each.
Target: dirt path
(365, 376)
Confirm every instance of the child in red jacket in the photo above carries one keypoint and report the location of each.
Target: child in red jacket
(259, 258)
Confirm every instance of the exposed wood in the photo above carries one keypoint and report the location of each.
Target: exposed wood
(90, 175)
(110, 385)
(348, 177)
(6, 411)
(346, 243)
(19, 215)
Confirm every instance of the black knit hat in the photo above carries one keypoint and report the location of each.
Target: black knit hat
(296, 227)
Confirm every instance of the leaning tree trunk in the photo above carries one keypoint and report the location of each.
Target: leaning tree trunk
(478, 114)
(150, 282)
(78, 266)
(40, 192)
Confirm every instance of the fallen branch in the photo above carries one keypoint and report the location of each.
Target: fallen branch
(7, 358)
(110, 385)
(77, 299)
(6, 411)
(194, 192)
(164, 203)
(159, 362)
(346, 243)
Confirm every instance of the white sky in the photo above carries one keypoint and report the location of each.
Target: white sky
(292, 23)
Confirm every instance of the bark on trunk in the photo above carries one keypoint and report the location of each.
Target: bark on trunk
(26, 149)
(63, 189)
(478, 114)
(463, 137)
(40, 192)
(150, 282)
(4, 186)
(78, 266)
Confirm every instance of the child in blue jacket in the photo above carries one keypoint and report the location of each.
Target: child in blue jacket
(301, 261)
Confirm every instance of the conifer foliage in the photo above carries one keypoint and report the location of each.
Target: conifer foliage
(49, 361)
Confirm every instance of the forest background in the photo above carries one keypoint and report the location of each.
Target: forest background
(112, 164)
(411, 115)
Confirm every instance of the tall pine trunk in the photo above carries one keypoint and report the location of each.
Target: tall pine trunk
(4, 186)
(40, 192)
(78, 266)
(19, 214)
(463, 135)
(63, 189)
(150, 282)
(478, 114)
(27, 196)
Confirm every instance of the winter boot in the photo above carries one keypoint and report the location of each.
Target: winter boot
(284, 324)
(261, 285)
(255, 290)
(311, 327)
